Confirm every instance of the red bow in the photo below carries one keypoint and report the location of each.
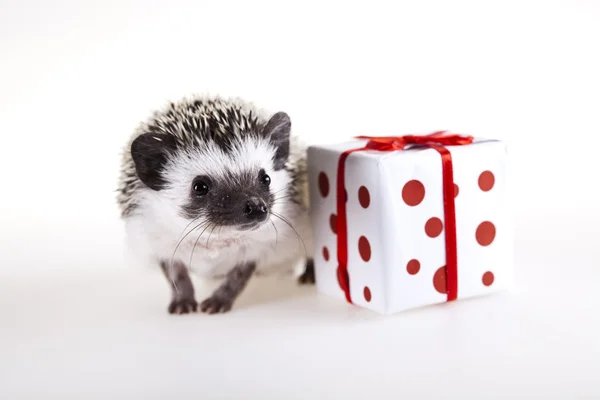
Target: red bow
(392, 143)
(437, 141)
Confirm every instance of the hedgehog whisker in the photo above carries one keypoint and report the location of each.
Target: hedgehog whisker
(283, 197)
(191, 222)
(210, 234)
(175, 251)
(196, 242)
(276, 235)
(279, 191)
(183, 238)
(294, 229)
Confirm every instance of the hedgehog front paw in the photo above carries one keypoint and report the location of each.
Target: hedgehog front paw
(183, 306)
(308, 276)
(216, 304)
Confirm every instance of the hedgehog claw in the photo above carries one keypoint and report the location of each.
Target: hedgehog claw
(183, 306)
(214, 305)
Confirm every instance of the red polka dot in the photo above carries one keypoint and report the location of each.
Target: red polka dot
(323, 184)
(485, 234)
(367, 293)
(326, 253)
(488, 278)
(455, 190)
(486, 181)
(333, 223)
(364, 198)
(364, 248)
(413, 192)
(413, 267)
(439, 280)
(433, 227)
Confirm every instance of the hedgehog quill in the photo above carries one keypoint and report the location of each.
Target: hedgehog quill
(217, 188)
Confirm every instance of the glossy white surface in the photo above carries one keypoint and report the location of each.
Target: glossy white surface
(81, 329)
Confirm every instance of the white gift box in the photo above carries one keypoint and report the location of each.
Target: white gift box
(396, 239)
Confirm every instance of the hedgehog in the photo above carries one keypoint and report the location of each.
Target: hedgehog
(216, 188)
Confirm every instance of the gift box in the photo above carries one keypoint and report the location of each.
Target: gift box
(410, 221)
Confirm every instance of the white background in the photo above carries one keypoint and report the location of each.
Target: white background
(76, 77)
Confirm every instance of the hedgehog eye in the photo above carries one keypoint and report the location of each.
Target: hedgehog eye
(264, 178)
(200, 187)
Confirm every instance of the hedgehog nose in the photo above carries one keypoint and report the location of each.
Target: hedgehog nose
(255, 209)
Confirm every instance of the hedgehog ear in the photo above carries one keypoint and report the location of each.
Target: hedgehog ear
(278, 131)
(149, 152)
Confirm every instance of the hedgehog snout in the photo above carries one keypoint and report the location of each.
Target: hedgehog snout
(255, 209)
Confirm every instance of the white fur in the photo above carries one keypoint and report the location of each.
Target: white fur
(156, 226)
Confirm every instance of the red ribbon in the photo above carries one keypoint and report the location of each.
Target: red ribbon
(437, 141)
